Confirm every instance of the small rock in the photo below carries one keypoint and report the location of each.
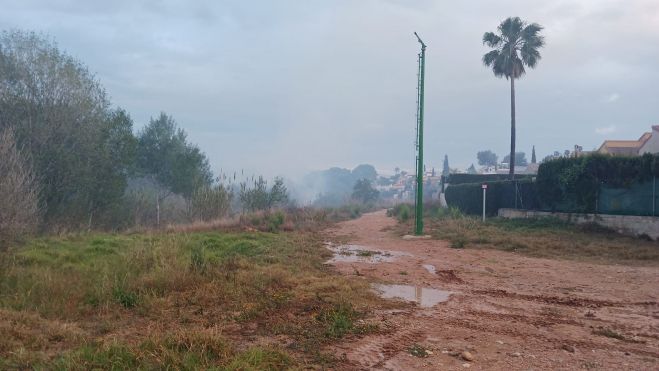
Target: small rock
(428, 352)
(516, 354)
(453, 353)
(499, 342)
(568, 348)
(466, 365)
(467, 356)
(627, 354)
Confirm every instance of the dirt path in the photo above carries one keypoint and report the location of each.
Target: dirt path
(506, 310)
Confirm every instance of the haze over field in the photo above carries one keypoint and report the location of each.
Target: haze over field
(286, 87)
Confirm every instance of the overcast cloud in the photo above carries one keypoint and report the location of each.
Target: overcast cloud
(284, 87)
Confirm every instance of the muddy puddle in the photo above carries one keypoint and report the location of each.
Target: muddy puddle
(361, 254)
(424, 296)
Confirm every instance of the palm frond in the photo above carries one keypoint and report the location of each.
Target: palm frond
(531, 31)
(530, 55)
(511, 28)
(490, 57)
(491, 39)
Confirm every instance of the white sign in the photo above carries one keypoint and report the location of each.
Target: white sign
(484, 186)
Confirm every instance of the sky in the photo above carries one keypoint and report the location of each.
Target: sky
(286, 87)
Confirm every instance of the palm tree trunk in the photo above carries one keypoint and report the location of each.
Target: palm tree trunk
(512, 128)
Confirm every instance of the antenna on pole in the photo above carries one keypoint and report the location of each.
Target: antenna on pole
(418, 202)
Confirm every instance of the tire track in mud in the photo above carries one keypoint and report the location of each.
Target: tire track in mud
(567, 301)
(375, 350)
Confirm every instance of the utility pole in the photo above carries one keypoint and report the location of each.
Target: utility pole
(418, 210)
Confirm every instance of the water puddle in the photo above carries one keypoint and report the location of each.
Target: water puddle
(430, 268)
(361, 254)
(424, 296)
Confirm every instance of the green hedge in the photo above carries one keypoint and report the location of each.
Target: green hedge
(454, 179)
(573, 184)
(468, 197)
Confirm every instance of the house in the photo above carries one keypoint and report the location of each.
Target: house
(652, 144)
(624, 147)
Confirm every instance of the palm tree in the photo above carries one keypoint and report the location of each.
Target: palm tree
(515, 46)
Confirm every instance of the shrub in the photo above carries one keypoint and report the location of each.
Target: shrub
(19, 192)
(275, 221)
(458, 242)
(402, 212)
(127, 299)
(573, 184)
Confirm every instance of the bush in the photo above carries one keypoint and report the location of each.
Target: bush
(573, 184)
(275, 221)
(402, 212)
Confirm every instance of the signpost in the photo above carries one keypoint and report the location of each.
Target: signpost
(484, 186)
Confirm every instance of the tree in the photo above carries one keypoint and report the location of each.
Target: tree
(472, 169)
(520, 159)
(113, 161)
(533, 161)
(364, 171)
(516, 46)
(363, 191)
(487, 158)
(61, 118)
(446, 169)
(164, 154)
(19, 190)
(278, 193)
(259, 197)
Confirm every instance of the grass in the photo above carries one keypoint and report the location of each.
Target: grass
(182, 300)
(541, 237)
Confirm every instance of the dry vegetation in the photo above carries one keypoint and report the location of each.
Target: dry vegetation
(542, 237)
(19, 210)
(182, 300)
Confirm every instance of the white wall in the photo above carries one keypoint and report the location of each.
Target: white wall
(652, 145)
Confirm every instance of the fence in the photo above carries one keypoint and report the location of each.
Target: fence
(638, 199)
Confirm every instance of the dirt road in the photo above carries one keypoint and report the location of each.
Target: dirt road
(507, 311)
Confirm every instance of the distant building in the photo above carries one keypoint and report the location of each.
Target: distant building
(624, 147)
(652, 144)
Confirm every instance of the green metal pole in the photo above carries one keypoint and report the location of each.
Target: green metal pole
(419, 172)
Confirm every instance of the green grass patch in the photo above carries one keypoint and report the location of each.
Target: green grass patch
(81, 290)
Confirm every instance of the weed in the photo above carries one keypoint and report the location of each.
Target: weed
(610, 333)
(458, 242)
(338, 320)
(127, 299)
(198, 258)
(418, 351)
(258, 358)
